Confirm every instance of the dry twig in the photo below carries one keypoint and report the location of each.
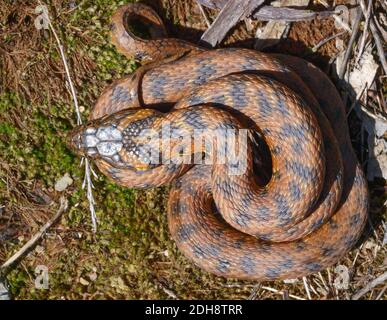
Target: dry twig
(306, 288)
(365, 31)
(326, 40)
(348, 52)
(375, 34)
(87, 182)
(33, 241)
(208, 23)
(379, 280)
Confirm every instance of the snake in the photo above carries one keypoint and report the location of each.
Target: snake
(290, 199)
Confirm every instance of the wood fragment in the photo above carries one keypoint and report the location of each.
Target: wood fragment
(271, 34)
(269, 13)
(33, 241)
(212, 4)
(231, 13)
(379, 280)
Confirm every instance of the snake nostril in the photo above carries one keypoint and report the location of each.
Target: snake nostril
(74, 141)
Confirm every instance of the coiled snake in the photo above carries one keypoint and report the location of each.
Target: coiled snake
(297, 217)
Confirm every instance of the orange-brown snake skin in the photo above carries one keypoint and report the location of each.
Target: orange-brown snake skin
(291, 213)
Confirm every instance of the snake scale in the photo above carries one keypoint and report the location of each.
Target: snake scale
(289, 214)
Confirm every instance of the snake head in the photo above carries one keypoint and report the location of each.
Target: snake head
(96, 141)
(115, 138)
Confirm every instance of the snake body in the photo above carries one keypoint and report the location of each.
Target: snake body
(300, 218)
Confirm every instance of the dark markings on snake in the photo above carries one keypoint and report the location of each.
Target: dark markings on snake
(286, 264)
(318, 223)
(263, 212)
(175, 208)
(265, 107)
(182, 208)
(266, 131)
(194, 119)
(265, 236)
(265, 248)
(294, 131)
(172, 167)
(158, 84)
(113, 170)
(313, 266)
(238, 244)
(242, 219)
(121, 95)
(303, 171)
(293, 230)
(249, 64)
(195, 99)
(349, 240)
(281, 104)
(333, 225)
(283, 211)
(298, 147)
(225, 188)
(272, 272)
(327, 251)
(246, 200)
(238, 94)
(295, 191)
(212, 250)
(205, 70)
(218, 232)
(219, 98)
(185, 231)
(300, 245)
(180, 83)
(223, 266)
(248, 264)
(198, 251)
